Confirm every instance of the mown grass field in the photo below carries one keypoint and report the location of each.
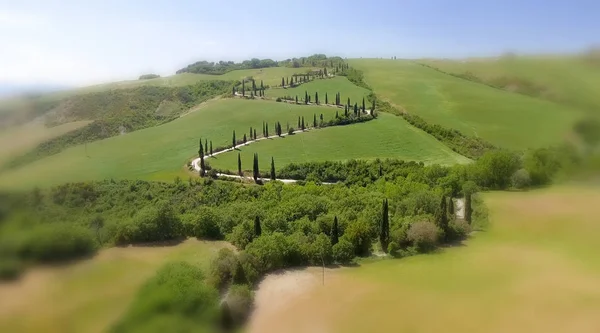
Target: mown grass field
(159, 153)
(573, 80)
(535, 270)
(331, 86)
(20, 139)
(90, 295)
(388, 136)
(503, 118)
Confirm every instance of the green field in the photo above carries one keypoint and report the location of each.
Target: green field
(20, 139)
(331, 86)
(534, 270)
(161, 152)
(567, 79)
(503, 118)
(388, 136)
(93, 293)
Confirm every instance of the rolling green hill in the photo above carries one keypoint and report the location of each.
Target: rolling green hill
(572, 80)
(503, 118)
(330, 86)
(158, 153)
(388, 136)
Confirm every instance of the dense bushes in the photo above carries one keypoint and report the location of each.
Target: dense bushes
(176, 299)
(424, 235)
(150, 225)
(148, 76)
(222, 67)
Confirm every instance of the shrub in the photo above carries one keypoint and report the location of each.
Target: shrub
(206, 224)
(291, 131)
(241, 235)
(423, 235)
(520, 179)
(343, 251)
(239, 299)
(51, 242)
(278, 99)
(10, 268)
(271, 252)
(494, 169)
(222, 268)
(151, 224)
(392, 248)
(360, 234)
(458, 229)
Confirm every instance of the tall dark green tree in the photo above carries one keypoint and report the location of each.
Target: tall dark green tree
(251, 137)
(243, 88)
(205, 145)
(373, 107)
(233, 139)
(363, 105)
(442, 216)
(245, 138)
(450, 208)
(298, 122)
(257, 228)
(468, 188)
(302, 125)
(355, 109)
(334, 231)
(282, 82)
(255, 134)
(272, 169)
(305, 97)
(254, 86)
(326, 100)
(255, 171)
(200, 149)
(336, 114)
(314, 120)
(325, 71)
(211, 152)
(233, 92)
(316, 97)
(348, 102)
(262, 87)
(346, 110)
(239, 164)
(288, 81)
(296, 99)
(201, 155)
(384, 230)
(266, 130)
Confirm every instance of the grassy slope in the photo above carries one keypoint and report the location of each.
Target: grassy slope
(388, 136)
(90, 295)
(18, 140)
(535, 270)
(567, 79)
(503, 118)
(330, 86)
(158, 153)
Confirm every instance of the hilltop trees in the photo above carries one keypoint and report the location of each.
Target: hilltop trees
(384, 229)
(272, 169)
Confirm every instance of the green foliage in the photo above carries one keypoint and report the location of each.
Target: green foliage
(148, 76)
(222, 67)
(520, 179)
(458, 230)
(240, 300)
(222, 268)
(159, 223)
(360, 234)
(10, 268)
(343, 251)
(423, 235)
(494, 169)
(176, 299)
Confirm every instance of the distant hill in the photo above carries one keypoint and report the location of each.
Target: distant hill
(8, 89)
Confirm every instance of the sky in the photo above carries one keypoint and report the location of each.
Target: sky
(77, 43)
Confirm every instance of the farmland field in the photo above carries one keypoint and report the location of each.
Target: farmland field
(331, 86)
(534, 270)
(93, 293)
(503, 118)
(158, 153)
(388, 136)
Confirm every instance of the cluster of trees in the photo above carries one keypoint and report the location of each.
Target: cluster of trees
(148, 76)
(122, 110)
(254, 91)
(222, 67)
(315, 60)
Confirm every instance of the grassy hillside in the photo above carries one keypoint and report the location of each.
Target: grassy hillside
(20, 139)
(503, 118)
(534, 270)
(93, 293)
(330, 86)
(572, 80)
(388, 136)
(158, 152)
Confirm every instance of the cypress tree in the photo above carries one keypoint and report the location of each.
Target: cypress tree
(243, 88)
(244, 137)
(298, 122)
(206, 145)
(296, 99)
(468, 209)
(201, 155)
(233, 139)
(348, 101)
(316, 98)
(239, 164)
(384, 230)
(250, 132)
(380, 170)
(303, 123)
(336, 114)
(255, 134)
(325, 71)
(314, 120)
(282, 82)
(233, 92)
(288, 81)
(363, 105)
(257, 228)
(321, 117)
(272, 169)
(346, 110)
(262, 87)
(356, 109)
(255, 172)
(305, 97)
(334, 231)
(266, 130)
(211, 148)
(442, 217)
(373, 108)
(200, 150)
(326, 100)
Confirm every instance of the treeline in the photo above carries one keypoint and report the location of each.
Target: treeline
(315, 60)
(121, 111)
(222, 67)
(353, 75)
(148, 76)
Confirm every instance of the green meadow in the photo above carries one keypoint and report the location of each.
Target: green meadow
(388, 136)
(503, 118)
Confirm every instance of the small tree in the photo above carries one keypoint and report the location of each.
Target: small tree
(233, 139)
(298, 121)
(211, 151)
(244, 138)
(442, 217)
(326, 100)
(336, 114)
(243, 88)
(282, 82)
(239, 164)
(255, 134)
(450, 208)
(302, 124)
(384, 230)
(314, 120)
(363, 105)
(201, 155)
(262, 87)
(205, 146)
(251, 133)
(257, 228)
(272, 169)
(255, 171)
(355, 109)
(296, 99)
(373, 107)
(334, 231)
(266, 130)
(305, 97)
(316, 98)
(469, 188)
